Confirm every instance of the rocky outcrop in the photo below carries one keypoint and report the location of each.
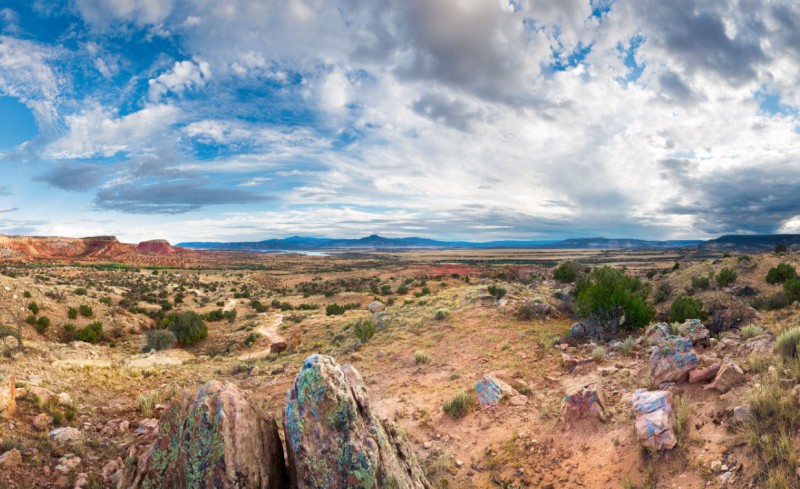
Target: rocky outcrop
(695, 331)
(654, 419)
(333, 438)
(8, 402)
(586, 400)
(729, 376)
(156, 247)
(217, 439)
(671, 360)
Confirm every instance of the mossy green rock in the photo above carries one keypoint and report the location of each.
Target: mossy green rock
(215, 440)
(333, 438)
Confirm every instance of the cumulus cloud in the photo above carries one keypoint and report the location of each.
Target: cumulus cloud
(184, 75)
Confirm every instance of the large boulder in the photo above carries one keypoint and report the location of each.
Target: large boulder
(583, 401)
(491, 390)
(729, 376)
(8, 397)
(729, 314)
(335, 440)
(216, 439)
(654, 419)
(763, 344)
(657, 332)
(376, 307)
(671, 360)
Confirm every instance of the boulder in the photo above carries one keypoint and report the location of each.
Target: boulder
(491, 390)
(671, 360)
(41, 421)
(335, 440)
(654, 419)
(695, 331)
(703, 375)
(729, 314)
(578, 329)
(11, 458)
(8, 398)
(278, 347)
(216, 439)
(376, 306)
(67, 437)
(657, 332)
(741, 413)
(729, 376)
(583, 401)
(763, 344)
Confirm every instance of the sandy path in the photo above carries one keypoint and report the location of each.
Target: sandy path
(271, 333)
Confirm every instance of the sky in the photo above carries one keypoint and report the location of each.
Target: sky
(238, 120)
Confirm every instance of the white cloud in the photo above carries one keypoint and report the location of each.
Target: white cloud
(184, 75)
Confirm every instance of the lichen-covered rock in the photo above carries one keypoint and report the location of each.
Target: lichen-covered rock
(333, 438)
(586, 400)
(654, 419)
(694, 330)
(671, 359)
(8, 398)
(217, 439)
(491, 390)
(657, 332)
(729, 376)
(763, 344)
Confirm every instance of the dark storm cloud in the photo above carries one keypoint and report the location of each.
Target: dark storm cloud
(694, 33)
(171, 197)
(74, 177)
(750, 200)
(674, 89)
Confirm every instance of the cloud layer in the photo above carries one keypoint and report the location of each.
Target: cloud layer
(473, 120)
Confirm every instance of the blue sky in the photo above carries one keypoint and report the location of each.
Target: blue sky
(482, 120)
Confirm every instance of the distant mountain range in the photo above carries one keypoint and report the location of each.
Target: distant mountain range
(298, 243)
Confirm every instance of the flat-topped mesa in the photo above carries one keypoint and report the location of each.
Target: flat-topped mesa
(157, 247)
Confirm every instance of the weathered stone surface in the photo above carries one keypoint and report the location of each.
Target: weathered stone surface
(217, 439)
(333, 438)
(729, 376)
(657, 332)
(703, 375)
(586, 400)
(741, 413)
(41, 421)
(67, 437)
(376, 306)
(491, 390)
(671, 360)
(11, 458)
(8, 402)
(694, 330)
(763, 344)
(654, 419)
(278, 347)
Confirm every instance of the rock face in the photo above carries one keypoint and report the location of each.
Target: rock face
(218, 439)
(695, 331)
(730, 375)
(704, 375)
(587, 400)
(156, 247)
(333, 438)
(654, 419)
(657, 332)
(8, 402)
(671, 359)
(491, 391)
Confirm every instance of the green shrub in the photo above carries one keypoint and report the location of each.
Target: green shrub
(566, 273)
(31, 319)
(773, 302)
(93, 333)
(780, 247)
(781, 273)
(33, 307)
(614, 299)
(725, 277)
(792, 290)
(461, 404)
(787, 343)
(441, 314)
(338, 310)
(187, 326)
(497, 292)
(662, 293)
(159, 339)
(26, 294)
(700, 283)
(751, 331)
(105, 300)
(422, 357)
(684, 308)
(42, 324)
(80, 291)
(85, 310)
(72, 313)
(364, 330)
(251, 339)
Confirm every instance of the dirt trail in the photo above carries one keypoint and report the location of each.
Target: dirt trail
(270, 333)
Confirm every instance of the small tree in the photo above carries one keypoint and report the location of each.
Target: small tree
(684, 308)
(781, 273)
(160, 339)
(364, 330)
(614, 300)
(566, 272)
(187, 326)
